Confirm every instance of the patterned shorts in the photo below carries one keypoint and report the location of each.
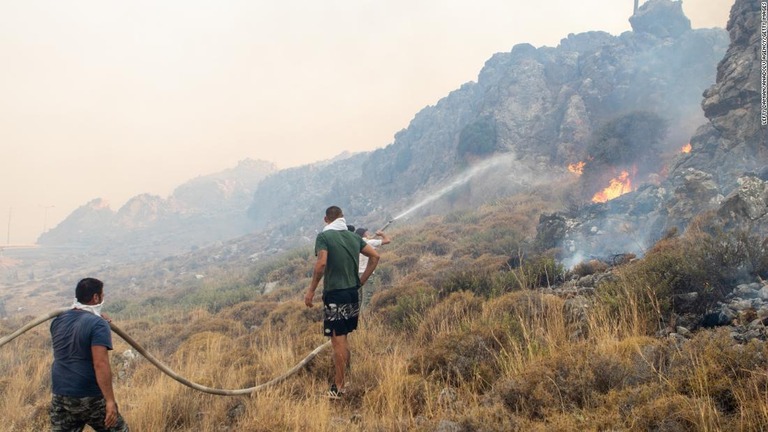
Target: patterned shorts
(71, 414)
(341, 310)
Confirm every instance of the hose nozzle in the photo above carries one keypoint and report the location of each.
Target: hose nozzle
(386, 225)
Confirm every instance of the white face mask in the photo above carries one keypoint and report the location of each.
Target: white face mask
(95, 309)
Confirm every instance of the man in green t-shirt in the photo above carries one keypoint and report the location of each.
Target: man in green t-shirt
(337, 251)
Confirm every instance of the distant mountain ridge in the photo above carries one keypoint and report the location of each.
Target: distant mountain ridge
(540, 104)
(203, 210)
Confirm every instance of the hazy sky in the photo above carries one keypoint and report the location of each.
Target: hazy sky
(110, 99)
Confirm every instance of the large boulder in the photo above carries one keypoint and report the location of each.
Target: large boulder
(747, 206)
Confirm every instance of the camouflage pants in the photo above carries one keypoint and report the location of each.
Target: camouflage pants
(72, 414)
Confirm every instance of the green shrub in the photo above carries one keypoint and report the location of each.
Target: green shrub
(529, 273)
(500, 241)
(216, 297)
(403, 306)
(476, 281)
(288, 266)
(478, 138)
(590, 267)
(461, 217)
(687, 275)
(736, 255)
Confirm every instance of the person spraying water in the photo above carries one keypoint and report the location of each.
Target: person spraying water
(376, 240)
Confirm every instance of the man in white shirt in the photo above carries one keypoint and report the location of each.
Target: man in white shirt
(375, 241)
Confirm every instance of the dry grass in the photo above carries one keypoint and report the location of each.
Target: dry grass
(450, 342)
(25, 384)
(504, 364)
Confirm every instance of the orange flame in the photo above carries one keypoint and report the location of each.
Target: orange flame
(686, 148)
(577, 168)
(616, 187)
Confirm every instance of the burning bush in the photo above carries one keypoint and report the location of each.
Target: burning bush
(621, 149)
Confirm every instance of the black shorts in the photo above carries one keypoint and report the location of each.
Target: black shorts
(340, 312)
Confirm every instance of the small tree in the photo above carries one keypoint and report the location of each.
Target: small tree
(478, 138)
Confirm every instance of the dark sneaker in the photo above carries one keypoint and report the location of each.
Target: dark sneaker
(334, 393)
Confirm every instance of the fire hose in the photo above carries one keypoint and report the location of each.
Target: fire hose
(165, 369)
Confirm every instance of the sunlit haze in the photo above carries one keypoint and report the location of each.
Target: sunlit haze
(111, 99)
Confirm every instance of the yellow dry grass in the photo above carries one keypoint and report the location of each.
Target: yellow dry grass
(425, 357)
(540, 376)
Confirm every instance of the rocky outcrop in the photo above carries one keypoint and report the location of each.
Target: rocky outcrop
(142, 211)
(733, 142)
(227, 191)
(724, 172)
(732, 104)
(542, 104)
(746, 208)
(661, 19)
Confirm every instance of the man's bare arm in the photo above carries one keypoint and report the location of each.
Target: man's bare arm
(104, 380)
(384, 238)
(317, 275)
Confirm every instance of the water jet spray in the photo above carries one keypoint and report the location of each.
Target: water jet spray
(458, 181)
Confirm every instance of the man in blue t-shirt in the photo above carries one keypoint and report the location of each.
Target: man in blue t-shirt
(80, 374)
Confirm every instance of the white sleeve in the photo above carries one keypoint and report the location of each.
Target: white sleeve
(373, 242)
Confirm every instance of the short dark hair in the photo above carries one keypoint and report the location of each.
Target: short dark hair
(86, 288)
(350, 228)
(333, 212)
(361, 232)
